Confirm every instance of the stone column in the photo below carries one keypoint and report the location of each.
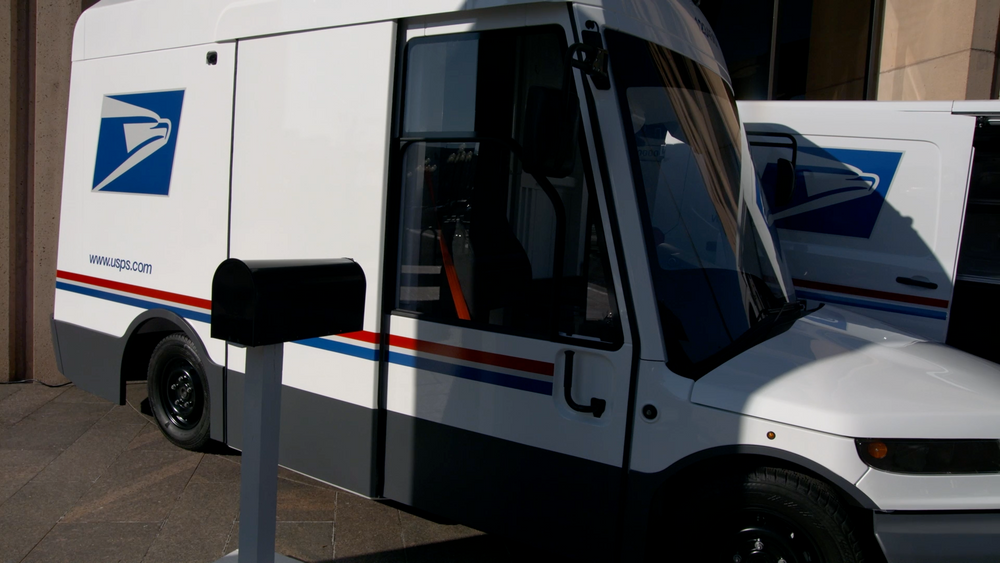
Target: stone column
(7, 158)
(55, 21)
(939, 49)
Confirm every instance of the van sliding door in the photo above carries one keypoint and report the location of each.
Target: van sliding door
(309, 158)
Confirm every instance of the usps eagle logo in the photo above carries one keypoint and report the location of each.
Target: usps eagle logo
(837, 191)
(135, 147)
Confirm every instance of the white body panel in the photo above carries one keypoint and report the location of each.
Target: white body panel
(181, 236)
(504, 410)
(669, 437)
(849, 246)
(893, 491)
(309, 170)
(845, 374)
(105, 30)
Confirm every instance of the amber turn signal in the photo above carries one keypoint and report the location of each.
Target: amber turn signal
(877, 450)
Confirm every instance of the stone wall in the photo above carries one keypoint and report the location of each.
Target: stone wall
(36, 38)
(7, 178)
(939, 49)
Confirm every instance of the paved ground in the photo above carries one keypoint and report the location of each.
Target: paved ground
(83, 480)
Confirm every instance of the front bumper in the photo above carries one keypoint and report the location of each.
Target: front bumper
(919, 537)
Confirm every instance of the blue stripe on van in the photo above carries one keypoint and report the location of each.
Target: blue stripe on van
(126, 300)
(892, 308)
(340, 348)
(455, 370)
(471, 373)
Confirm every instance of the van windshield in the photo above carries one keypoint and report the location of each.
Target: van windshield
(716, 272)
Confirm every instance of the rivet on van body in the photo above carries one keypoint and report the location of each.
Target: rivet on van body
(771, 435)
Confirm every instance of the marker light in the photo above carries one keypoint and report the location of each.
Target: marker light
(877, 450)
(931, 456)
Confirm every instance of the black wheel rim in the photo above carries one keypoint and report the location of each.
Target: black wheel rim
(762, 536)
(182, 395)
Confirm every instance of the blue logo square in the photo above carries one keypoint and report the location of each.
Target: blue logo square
(135, 148)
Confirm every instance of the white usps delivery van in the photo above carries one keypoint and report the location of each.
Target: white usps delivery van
(895, 212)
(579, 329)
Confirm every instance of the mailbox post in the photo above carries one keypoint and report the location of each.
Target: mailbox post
(261, 305)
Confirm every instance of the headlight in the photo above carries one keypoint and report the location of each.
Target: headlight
(931, 456)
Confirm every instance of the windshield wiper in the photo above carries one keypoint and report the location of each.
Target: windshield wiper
(777, 312)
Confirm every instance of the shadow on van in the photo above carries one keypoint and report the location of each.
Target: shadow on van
(843, 240)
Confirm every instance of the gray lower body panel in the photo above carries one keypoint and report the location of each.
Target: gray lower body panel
(325, 438)
(90, 359)
(565, 504)
(931, 537)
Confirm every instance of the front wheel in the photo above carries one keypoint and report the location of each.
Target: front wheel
(770, 515)
(178, 392)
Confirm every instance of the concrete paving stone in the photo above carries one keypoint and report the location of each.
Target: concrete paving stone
(150, 438)
(140, 486)
(290, 475)
(394, 556)
(305, 503)
(122, 414)
(432, 542)
(19, 405)
(477, 549)
(366, 528)
(136, 392)
(30, 513)
(89, 456)
(8, 389)
(419, 531)
(305, 541)
(52, 426)
(21, 466)
(71, 413)
(218, 469)
(74, 394)
(119, 542)
(199, 526)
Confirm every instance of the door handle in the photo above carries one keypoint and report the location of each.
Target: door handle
(916, 283)
(596, 405)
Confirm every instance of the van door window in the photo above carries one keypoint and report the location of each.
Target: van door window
(480, 237)
(979, 258)
(976, 298)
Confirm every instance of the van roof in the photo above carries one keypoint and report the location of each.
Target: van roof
(120, 27)
(763, 109)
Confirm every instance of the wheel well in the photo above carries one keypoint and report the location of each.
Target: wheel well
(702, 472)
(139, 348)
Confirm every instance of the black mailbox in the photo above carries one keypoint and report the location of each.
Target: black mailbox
(260, 302)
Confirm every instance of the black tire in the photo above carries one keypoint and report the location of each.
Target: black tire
(765, 515)
(178, 392)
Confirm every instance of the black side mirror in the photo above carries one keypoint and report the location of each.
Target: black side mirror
(784, 183)
(551, 125)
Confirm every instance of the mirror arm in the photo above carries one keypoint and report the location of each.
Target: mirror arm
(594, 63)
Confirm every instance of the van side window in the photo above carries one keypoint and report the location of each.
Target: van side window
(479, 234)
(979, 257)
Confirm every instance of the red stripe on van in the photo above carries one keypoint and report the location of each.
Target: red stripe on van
(137, 290)
(499, 360)
(887, 295)
(362, 336)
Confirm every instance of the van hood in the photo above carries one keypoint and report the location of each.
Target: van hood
(842, 373)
